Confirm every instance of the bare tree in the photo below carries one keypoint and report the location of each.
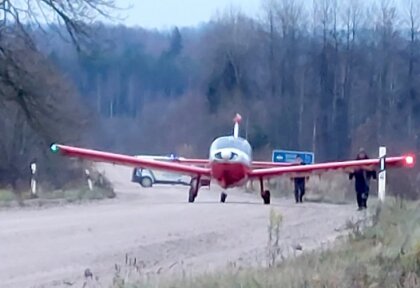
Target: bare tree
(324, 21)
(386, 22)
(283, 22)
(269, 7)
(231, 40)
(19, 18)
(412, 12)
(41, 102)
(74, 15)
(350, 13)
(289, 14)
(39, 108)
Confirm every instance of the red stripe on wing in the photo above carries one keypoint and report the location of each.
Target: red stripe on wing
(348, 166)
(263, 164)
(190, 161)
(127, 160)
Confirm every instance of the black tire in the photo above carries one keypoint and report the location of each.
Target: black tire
(194, 187)
(266, 197)
(223, 196)
(191, 195)
(135, 178)
(146, 182)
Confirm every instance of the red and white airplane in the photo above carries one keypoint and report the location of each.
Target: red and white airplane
(230, 164)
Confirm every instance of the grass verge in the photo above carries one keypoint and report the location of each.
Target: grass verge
(384, 254)
(6, 196)
(331, 187)
(74, 192)
(55, 197)
(78, 194)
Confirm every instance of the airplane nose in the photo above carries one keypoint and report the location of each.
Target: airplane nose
(226, 155)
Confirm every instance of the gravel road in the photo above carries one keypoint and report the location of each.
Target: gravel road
(52, 247)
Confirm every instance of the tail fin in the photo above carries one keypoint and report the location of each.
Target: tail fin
(237, 119)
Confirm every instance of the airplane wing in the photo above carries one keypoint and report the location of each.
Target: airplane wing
(345, 166)
(126, 160)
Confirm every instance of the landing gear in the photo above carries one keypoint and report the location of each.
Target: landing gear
(266, 197)
(194, 186)
(191, 195)
(223, 196)
(265, 194)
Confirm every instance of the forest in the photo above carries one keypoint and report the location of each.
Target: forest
(330, 77)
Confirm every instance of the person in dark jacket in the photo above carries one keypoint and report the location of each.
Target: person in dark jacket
(299, 184)
(361, 182)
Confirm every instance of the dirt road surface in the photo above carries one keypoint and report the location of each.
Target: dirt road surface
(52, 247)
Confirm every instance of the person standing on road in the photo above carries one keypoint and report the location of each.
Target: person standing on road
(361, 182)
(299, 183)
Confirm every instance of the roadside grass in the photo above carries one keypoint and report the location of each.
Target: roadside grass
(381, 251)
(77, 191)
(6, 196)
(74, 195)
(331, 187)
(78, 194)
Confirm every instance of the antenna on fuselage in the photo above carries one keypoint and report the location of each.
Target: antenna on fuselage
(237, 119)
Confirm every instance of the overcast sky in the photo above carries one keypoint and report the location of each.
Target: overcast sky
(163, 14)
(167, 13)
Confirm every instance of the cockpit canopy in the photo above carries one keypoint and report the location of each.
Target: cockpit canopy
(231, 142)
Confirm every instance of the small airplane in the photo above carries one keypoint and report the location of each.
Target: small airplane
(230, 164)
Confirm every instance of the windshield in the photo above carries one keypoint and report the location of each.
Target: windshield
(231, 142)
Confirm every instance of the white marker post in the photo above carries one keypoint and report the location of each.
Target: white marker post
(88, 179)
(382, 173)
(33, 179)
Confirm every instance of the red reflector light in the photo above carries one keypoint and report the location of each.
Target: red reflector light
(409, 160)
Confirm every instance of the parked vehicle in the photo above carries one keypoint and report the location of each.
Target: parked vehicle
(148, 177)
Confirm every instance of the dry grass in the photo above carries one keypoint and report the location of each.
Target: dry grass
(384, 254)
(73, 192)
(78, 194)
(6, 196)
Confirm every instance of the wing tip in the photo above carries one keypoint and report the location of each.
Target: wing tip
(55, 148)
(410, 160)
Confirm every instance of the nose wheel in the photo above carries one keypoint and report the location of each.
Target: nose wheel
(223, 197)
(191, 195)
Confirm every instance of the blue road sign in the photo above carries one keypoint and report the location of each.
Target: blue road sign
(290, 156)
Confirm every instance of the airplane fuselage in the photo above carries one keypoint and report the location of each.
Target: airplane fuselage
(230, 161)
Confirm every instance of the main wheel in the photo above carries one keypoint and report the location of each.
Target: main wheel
(223, 196)
(146, 182)
(191, 195)
(266, 197)
(193, 190)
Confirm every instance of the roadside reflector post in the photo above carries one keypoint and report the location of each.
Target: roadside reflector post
(89, 180)
(382, 174)
(33, 179)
